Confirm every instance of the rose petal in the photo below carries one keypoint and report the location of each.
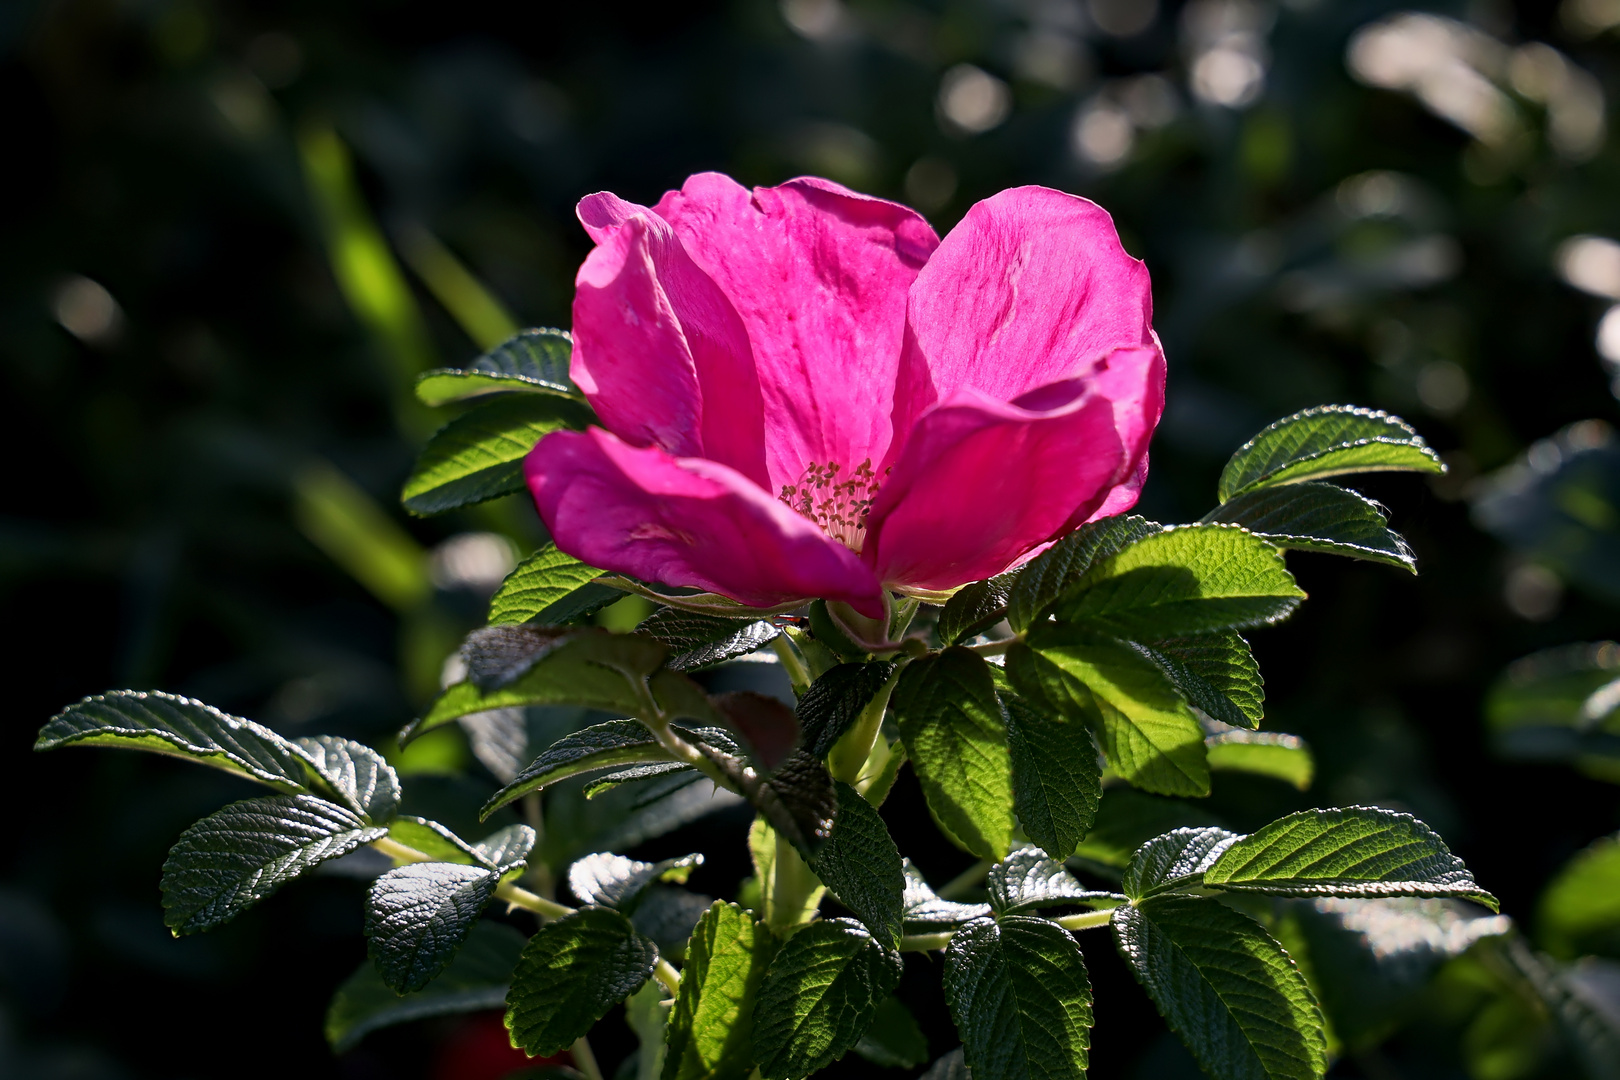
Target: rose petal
(686, 522)
(819, 275)
(1133, 380)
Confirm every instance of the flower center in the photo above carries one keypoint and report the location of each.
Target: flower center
(838, 504)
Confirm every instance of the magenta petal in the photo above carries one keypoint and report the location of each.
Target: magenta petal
(819, 275)
(688, 522)
(1133, 382)
(982, 482)
(658, 349)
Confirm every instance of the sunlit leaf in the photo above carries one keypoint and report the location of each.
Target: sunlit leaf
(1329, 440)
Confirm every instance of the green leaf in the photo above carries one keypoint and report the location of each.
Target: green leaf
(1579, 910)
(479, 455)
(702, 641)
(540, 585)
(535, 361)
(1561, 704)
(894, 1040)
(1145, 728)
(1579, 998)
(1127, 819)
(835, 700)
(506, 849)
(646, 1013)
(974, 609)
(601, 785)
(418, 915)
(1318, 517)
(952, 726)
(476, 980)
(1175, 860)
(1329, 440)
(614, 881)
(179, 727)
(238, 855)
(1356, 851)
(1028, 879)
(926, 913)
(433, 840)
(861, 865)
(1264, 753)
(819, 996)
(355, 773)
(710, 1032)
(570, 974)
(1057, 571)
(783, 876)
(1225, 986)
(1021, 999)
(1216, 674)
(1189, 579)
(1057, 781)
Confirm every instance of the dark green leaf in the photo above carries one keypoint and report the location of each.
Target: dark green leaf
(1579, 910)
(1216, 674)
(479, 455)
(974, 609)
(180, 727)
(476, 980)
(1318, 517)
(954, 733)
(819, 996)
(1176, 860)
(1145, 728)
(570, 974)
(667, 915)
(835, 700)
(894, 1040)
(1027, 880)
(861, 865)
(926, 913)
(356, 774)
(1329, 440)
(601, 785)
(710, 1032)
(434, 840)
(1021, 999)
(1057, 781)
(238, 855)
(506, 849)
(1225, 986)
(534, 360)
(418, 915)
(539, 587)
(702, 641)
(614, 881)
(1264, 753)
(1190, 579)
(1580, 998)
(1356, 851)
(1128, 818)
(1054, 573)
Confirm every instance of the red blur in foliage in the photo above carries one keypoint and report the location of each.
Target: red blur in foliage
(480, 1049)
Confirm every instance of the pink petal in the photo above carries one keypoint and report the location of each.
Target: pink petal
(688, 522)
(1133, 381)
(819, 275)
(1031, 288)
(658, 349)
(982, 482)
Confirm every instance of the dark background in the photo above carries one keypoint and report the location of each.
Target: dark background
(218, 249)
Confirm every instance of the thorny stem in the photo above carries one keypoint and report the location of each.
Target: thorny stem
(515, 895)
(585, 1059)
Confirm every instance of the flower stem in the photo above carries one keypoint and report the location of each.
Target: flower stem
(1086, 920)
(585, 1059)
(665, 973)
(515, 895)
(798, 674)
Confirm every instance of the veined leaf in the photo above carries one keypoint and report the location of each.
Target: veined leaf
(894, 1040)
(614, 881)
(819, 996)
(667, 915)
(782, 875)
(861, 865)
(434, 840)
(1145, 728)
(418, 915)
(710, 1032)
(835, 700)
(570, 974)
(1314, 516)
(541, 583)
(1028, 879)
(601, 785)
(1216, 674)
(355, 773)
(1264, 753)
(951, 722)
(535, 361)
(238, 855)
(1127, 819)
(506, 849)
(1175, 860)
(1356, 851)
(180, 727)
(1225, 986)
(1329, 440)
(1057, 571)
(479, 455)
(1579, 910)
(1190, 579)
(926, 913)
(702, 641)
(476, 980)
(1021, 999)
(975, 608)
(1057, 782)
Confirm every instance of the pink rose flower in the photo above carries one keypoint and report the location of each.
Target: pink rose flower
(805, 393)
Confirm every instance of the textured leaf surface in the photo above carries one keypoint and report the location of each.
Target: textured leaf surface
(1057, 781)
(475, 981)
(951, 722)
(570, 974)
(240, 854)
(1058, 570)
(819, 996)
(180, 727)
(974, 609)
(417, 916)
(433, 840)
(926, 913)
(835, 700)
(610, 880)
(1226, 987)
(1263, 753)
(1318, 517)
(703, 641)
(1579, 910)
(508, 848)
(1145, 728)
(1356, 851)
(539, 585)
(894, 1040)
(1021, 999)
(1216, 673)
(1029, 879)
(534, 361)
(355, 773)
(1177, 859)
(1128, 818)
(479, 455)
(861, 865)
(1329, 440)
(710, 1032)
(1190, 579)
